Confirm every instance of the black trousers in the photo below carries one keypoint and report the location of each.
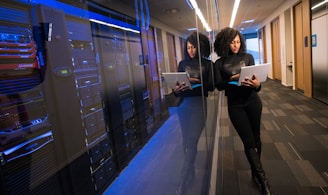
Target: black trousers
(245, 115)
(192, 122)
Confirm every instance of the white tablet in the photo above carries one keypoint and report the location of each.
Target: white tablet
(171, 78)
(260, 70)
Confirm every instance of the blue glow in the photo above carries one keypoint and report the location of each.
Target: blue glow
(97, 17)
(11, 150)
(144, 22)
(147, 15)
(189, 4)
(75, 11)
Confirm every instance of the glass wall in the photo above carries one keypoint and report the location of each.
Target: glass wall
(84, 108)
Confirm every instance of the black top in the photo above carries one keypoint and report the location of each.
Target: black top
(191, 66)
(224, 68)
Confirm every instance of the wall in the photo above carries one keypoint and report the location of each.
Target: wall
(286, 51)
(286, 48)
(268, 47)
(289, 48)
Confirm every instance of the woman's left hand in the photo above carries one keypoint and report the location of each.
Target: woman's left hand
(194, 80)
(251, 82)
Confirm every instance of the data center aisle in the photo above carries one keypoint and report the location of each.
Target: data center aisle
(295, 146)
(156, 168)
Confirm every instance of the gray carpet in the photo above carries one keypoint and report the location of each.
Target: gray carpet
(295, 146)
(295, 152)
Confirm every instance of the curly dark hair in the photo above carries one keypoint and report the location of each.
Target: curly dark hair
(223, 40)
(204, 42)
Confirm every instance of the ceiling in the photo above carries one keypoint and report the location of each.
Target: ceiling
(179, 16)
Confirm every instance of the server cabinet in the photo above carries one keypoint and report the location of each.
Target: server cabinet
(60, 87)
(74, 94)
(152, 75)
(90, 91)
(27, 160)
(144, 115)
(75, 107)
(112, 46)
(62, 99)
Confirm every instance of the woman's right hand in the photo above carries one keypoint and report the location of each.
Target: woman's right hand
(194, 80)
(179, 87)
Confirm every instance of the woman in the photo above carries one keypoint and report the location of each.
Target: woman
(190, 111)
(244, 104)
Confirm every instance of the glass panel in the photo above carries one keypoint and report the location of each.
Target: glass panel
(84, 107)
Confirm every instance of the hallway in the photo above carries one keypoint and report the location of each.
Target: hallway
(295, 146)
(295, 152)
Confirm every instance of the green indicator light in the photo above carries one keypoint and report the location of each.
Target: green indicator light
(64, 71)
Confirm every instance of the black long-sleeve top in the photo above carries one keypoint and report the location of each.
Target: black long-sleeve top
(224, 68)
(191, 66)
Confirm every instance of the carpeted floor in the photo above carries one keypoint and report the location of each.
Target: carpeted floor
(295, 146)
(295, 152)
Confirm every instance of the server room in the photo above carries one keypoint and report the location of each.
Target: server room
(86, 109)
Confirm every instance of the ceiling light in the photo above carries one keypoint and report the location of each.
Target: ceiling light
(192, 29)
(199, 13)
(171, 11)
(247, 21)
(234, 12)
(114, 25)
(319, 4)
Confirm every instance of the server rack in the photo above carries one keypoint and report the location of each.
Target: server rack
(90, 91)
(27, 160)
(78, 106)
(83, 148)
(152, 76)
(143, 112)
(112, 50)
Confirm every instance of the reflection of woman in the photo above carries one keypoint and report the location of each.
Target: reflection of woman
(190, 112)
(244, 104)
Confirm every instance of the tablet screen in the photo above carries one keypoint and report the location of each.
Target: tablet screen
(171, 78)
(260, 70)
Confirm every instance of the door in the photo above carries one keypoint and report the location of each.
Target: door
(171, 52)
(299, 53)
(276, 59)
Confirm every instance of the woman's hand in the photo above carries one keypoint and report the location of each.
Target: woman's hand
(251, 82)
(194, 80)
(180, 87)
(235, 77)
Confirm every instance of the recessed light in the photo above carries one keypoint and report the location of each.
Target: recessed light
(247, 21)
(171, 11)
(191, 29)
